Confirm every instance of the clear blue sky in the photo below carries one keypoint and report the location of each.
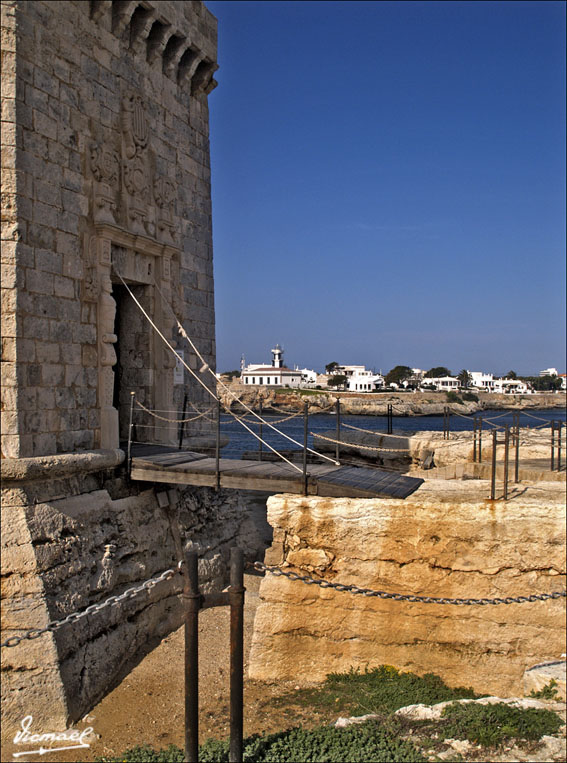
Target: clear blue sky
(389, 183)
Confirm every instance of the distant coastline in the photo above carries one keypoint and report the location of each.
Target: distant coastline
(376, 403)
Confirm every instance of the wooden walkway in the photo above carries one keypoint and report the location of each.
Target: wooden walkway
(152, 463)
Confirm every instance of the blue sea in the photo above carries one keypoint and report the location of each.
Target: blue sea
(240, 440)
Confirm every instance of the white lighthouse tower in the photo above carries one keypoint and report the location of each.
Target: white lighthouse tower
(277, 357)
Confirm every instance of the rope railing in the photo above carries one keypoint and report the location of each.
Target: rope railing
(172, 421)
(205, 368)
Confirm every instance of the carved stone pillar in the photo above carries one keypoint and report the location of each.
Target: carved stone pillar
(109, 434)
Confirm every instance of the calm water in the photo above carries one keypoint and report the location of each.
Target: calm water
(241, 440)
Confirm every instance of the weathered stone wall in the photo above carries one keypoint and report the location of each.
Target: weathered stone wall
(76, 538)
(105, 169)
(441, 541)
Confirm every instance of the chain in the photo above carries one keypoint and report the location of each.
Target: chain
(94, 608)
(404, 597)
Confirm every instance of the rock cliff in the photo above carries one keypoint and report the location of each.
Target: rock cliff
(443, 541)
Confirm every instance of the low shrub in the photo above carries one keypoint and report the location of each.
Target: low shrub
(470, 397)
(379, 690)
(490, 725)
(547, 692)
(452, 397)
(360, 744)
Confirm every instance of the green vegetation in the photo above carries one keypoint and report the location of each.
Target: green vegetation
(452, 397)
(465, 378)
(380, 690)
(337, 381)
(370, 742)
(543, 383)
(470, 397)
(331, 367)
(398, 374)
(437, 372)
(490, 725)
(548, 692)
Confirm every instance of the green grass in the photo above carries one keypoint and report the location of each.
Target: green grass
(380, 690)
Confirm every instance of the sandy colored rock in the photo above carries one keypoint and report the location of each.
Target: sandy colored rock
(443, 541)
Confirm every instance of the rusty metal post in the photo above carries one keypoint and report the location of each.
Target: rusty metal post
(260, 431)
(305, 428)
(390, 413)
(506, 459)
(236, 594)
(517, 454)
(338, 447)
(130, 425)
(182, 422)
(191, 600)
(559, 446)
(217, 447)
(474, 440)
(480, 441)
(552, 445)
(493, 479)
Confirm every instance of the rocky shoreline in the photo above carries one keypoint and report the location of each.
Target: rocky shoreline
(376, 404)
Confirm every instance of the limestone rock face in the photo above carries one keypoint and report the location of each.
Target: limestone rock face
(443, 541)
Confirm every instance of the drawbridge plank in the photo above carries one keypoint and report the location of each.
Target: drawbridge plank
(187, 468)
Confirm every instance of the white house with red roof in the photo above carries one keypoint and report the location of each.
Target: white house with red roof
(276, 375)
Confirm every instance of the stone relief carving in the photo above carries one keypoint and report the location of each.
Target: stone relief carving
(135, 165)
(105, 168)
(91, 285)
(165, 193)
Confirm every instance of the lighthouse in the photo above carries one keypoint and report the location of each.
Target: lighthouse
(277, 357)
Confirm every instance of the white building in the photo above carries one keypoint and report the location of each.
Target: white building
(441, 383)
(549, 372)
(482, 381)
(362, 380)
(308, 376)
(359, 379)
(511, 386)
(276, 375)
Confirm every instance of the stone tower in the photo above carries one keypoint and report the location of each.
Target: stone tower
(105, 176)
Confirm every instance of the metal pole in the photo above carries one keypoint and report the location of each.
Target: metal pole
(191, 599)
(444, 422)
(559, 446)
(338, 447)
(236, 593)
(517, 457)
(217, 446)
(389, 418)
(305, 427)
(474, 440)
(493, 480)
(552, 445)
(182, 423)
(480, 441)
(506, 456)
(132, 396)
(260, 431)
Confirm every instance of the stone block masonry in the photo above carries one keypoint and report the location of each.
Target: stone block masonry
(105, 169)
(105, 176)
(443, 542)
